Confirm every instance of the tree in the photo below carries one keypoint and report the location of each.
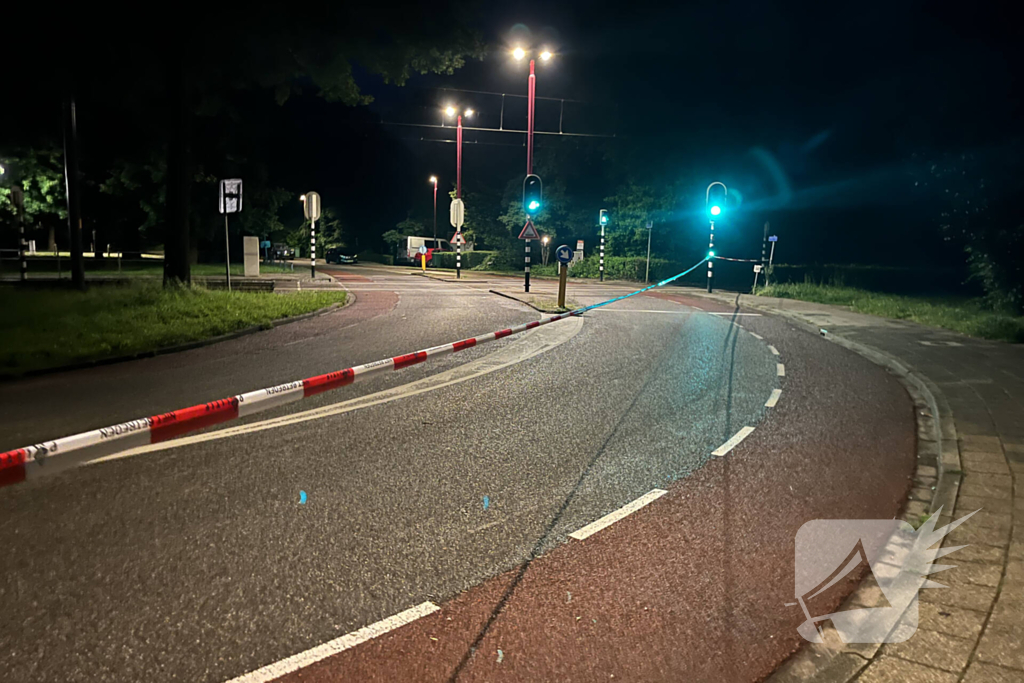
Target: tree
(979, 199)
(407, 228)
(41, 176)
(285, 50)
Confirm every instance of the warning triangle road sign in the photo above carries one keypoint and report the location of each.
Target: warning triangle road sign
(529, 232)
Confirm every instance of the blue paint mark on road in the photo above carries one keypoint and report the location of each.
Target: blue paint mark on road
(487, 502)
(302, 497)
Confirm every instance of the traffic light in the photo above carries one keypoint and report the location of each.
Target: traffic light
(715, 200)
(532, 195)
(603, 217)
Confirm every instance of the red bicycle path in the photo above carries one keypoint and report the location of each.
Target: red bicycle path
(692, 587)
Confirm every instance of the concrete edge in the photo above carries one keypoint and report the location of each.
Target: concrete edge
(188, 346)
(514, 298)
(834, 661)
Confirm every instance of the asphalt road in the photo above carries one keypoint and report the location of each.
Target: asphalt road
(196, 562)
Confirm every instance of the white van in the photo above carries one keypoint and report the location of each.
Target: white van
(412, 248)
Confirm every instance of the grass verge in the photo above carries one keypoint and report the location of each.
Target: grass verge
(968, 316)
(51, 328)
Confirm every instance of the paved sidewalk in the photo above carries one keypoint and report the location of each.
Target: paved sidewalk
(973, 630)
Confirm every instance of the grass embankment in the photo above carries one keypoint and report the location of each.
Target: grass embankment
(135, 268)
(51, 328)
(968, 316)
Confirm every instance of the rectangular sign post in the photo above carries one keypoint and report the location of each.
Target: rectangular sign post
(773, 239)
(311, 207)
(230, 202)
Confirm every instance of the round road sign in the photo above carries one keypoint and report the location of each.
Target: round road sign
(423, 249)
(563, 254)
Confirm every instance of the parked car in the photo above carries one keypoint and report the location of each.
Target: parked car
(281, 252)
(407, 253)
(338, 255)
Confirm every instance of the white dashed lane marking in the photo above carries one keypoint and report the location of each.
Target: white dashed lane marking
(733, 442)
(612, 517)
(755, 335)
(773, 349)
(773, 399)
(333, 647)
(780, 370)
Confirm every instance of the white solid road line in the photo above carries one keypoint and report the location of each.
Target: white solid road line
(773, 399)
(333, 647)
(612, 517)
(733, 442)
(755, 335)
(773, 349)
(780, 369)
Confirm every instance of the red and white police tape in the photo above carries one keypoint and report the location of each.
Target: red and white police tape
(22, 463)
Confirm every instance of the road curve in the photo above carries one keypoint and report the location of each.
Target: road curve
(198, 562)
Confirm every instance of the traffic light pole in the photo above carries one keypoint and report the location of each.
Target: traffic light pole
(312, 248)
(601, 265)
(711, 249)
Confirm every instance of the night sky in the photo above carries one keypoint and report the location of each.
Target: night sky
(811, 111)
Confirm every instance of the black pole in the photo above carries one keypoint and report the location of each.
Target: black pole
(526, 285)
(601, 265)
(177, 267)
(18, 197)
(711, 248)
(73, 188)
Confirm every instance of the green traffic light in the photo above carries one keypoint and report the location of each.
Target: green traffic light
(711, 254)
(534, 205)
(715, 210)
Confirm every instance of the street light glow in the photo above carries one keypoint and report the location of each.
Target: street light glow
(546, 55)
(715, 210)
(544, 239)
(468, 113)
(450, 111)
(302, 198)
(518, 53)
(433, 179)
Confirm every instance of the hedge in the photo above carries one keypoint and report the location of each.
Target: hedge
(470, 259)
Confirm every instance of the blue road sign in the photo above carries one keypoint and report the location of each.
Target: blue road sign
(773, 238)
(265, 244)
(563, 254)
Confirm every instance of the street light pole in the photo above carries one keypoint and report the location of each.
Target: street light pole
(531, 95)
(458, 160)
(434, 178)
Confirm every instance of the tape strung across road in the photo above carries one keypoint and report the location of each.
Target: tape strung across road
(21, 463)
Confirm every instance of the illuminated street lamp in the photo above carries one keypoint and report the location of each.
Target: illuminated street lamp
(544, 244)
(518, 53)
(546, 55)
